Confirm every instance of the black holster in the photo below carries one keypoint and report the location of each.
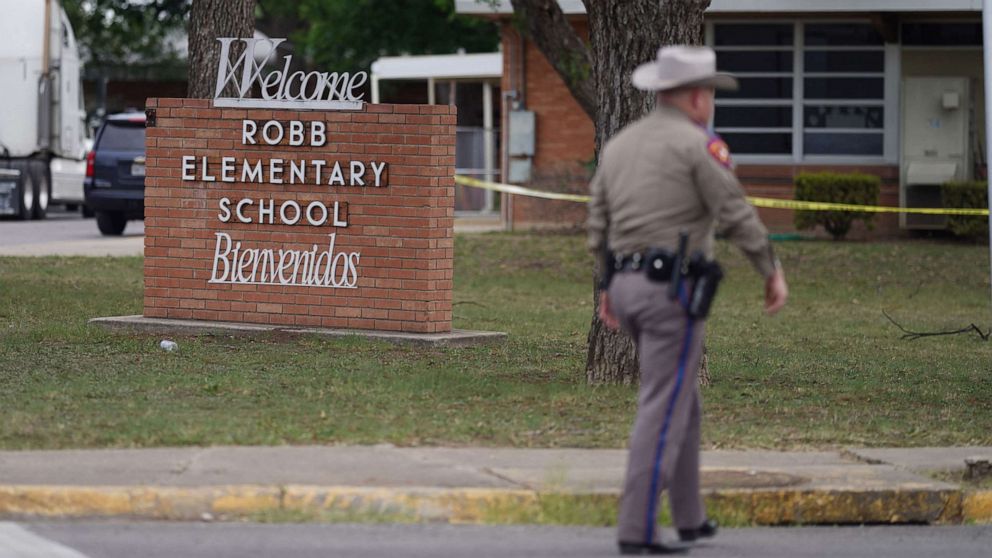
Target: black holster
(708, 275)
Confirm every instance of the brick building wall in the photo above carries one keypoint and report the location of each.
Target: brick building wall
(401, 230)
(566, 141)
(565, 135)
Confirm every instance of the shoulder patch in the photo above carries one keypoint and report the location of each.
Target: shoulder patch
(720, 151)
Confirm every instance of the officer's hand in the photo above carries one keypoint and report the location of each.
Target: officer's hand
(606, 313)
(776, 292)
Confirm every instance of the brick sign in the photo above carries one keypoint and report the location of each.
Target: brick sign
(332, 219)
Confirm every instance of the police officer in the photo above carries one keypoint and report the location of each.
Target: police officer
(659, 179)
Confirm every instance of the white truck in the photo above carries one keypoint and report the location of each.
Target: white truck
(42, 118)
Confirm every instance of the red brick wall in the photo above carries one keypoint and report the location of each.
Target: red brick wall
(565, 134)
(402, 231)
(565, 139)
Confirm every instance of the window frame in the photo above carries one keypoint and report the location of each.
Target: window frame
(890, 101)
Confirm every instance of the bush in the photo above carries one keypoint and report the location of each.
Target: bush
(858, 189)
(967, 195)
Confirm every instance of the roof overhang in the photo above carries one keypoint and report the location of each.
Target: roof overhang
(575, 7)
(443, 66)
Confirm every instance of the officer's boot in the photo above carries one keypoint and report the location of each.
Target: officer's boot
(705, 531)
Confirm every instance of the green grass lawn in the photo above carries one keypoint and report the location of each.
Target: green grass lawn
(829, 371)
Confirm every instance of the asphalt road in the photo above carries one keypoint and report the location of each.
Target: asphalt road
(248, 540)
(67, 234)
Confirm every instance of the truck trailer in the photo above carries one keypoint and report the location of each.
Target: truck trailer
(42, 116)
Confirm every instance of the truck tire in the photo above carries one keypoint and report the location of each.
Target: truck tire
(25, 193)
(111, 223)
(42, 189)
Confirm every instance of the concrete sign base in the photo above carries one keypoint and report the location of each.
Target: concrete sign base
(165, 326)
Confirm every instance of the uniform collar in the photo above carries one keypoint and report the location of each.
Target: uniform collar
(668, 111)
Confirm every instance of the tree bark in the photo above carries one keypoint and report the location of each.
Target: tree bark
(208, 21)
(622, 34)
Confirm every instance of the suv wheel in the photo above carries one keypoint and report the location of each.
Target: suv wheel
(111, 223)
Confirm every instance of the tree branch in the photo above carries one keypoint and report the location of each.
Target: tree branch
(914, 335)
(546, 25)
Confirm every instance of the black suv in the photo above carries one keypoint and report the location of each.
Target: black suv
(115, 172)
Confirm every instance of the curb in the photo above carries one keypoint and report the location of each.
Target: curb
(481, 506)
(977, 507)
(819, 507)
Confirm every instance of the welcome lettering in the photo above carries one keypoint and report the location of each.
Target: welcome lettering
(281, 88)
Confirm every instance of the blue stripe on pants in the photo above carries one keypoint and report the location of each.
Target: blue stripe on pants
(662, 437)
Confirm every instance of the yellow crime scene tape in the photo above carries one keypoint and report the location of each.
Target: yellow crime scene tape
(757, 202)
(519, 190)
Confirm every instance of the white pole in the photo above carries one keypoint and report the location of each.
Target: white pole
(987, 55)
(487, 139)
(375, 88)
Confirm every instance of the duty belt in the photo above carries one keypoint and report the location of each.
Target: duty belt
(657, 262)
(660, 266)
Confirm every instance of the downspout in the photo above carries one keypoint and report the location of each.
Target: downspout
(505, 97)
(522, 77)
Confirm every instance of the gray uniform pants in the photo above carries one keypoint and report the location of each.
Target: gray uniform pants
(664, 444)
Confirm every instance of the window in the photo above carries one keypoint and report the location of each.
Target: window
(807, 90)
(841, 34)
(750, 34)
(123, 136)
(757, 119)
(843, 117)
(843, 90)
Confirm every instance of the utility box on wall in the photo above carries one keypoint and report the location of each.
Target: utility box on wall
(522, 140)
(936, 146)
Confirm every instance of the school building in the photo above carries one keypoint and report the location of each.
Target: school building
(888, 87)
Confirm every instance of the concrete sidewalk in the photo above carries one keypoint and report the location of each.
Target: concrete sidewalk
(490, 485)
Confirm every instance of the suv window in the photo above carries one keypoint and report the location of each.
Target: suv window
(119, 136)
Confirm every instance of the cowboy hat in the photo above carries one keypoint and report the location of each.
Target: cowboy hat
(682, 66)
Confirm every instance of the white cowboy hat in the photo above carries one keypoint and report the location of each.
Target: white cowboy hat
(682, 66)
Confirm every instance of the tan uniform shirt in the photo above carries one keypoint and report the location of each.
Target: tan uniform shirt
(664, 174)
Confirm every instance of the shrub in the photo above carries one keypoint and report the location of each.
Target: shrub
(858, 189)
(967, 195)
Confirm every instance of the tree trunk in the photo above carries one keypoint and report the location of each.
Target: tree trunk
(623, 35)
(208, 21)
